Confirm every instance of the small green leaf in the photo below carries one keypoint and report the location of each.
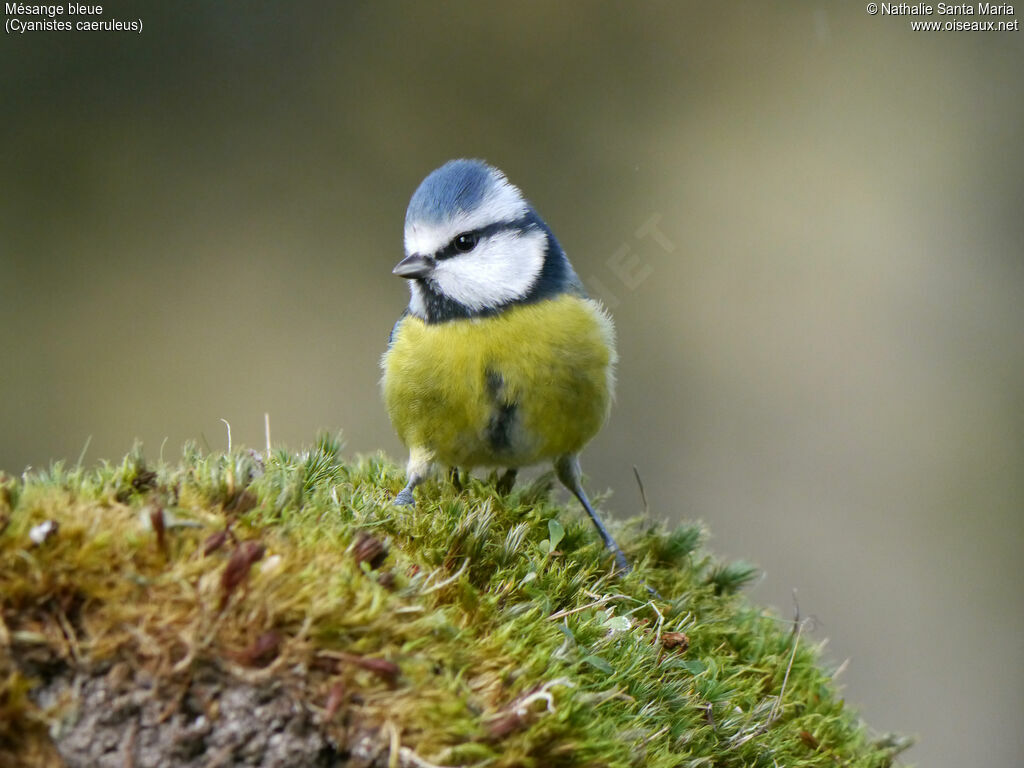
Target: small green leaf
(555, 533)
(545, 547)
(694, 667)
(617, 624)
(598, 663)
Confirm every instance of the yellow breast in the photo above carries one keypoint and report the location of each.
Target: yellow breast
(532, 383)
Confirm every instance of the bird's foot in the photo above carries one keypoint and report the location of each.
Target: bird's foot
(455, 477)
(404, 498)
(620, 559)
(506, 482)
(624, 568)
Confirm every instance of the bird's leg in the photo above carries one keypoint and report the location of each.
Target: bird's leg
(455, 479)
(416, 472)
(404, 497)
(568, 470)
(506, 481)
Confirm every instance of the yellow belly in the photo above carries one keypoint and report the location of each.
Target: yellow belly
(530, 384)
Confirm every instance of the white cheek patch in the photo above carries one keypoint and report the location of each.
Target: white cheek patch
(503, 202)
(502, 268)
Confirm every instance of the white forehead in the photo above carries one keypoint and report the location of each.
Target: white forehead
(501, 201)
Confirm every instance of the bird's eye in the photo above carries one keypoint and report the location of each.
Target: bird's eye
(465, 242)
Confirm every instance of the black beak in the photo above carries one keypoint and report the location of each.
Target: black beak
(412, 267)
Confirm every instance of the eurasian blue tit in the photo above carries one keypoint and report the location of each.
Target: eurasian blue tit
(500, 360)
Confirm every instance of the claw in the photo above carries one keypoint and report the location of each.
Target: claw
(404, 499)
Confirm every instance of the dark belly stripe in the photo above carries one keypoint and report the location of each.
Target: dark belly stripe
(499, 426)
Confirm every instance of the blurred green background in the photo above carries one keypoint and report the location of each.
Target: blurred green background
(822, 345)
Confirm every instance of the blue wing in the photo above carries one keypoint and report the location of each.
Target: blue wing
(394, 328)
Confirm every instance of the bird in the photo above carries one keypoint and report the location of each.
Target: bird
(501, 359)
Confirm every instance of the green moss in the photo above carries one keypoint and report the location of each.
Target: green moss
(475, 628)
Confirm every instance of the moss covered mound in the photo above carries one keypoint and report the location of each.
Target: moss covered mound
(475, 629)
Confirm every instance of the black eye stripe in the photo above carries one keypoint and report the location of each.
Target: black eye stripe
(524, 224)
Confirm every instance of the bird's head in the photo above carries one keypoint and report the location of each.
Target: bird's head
(474, 245)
